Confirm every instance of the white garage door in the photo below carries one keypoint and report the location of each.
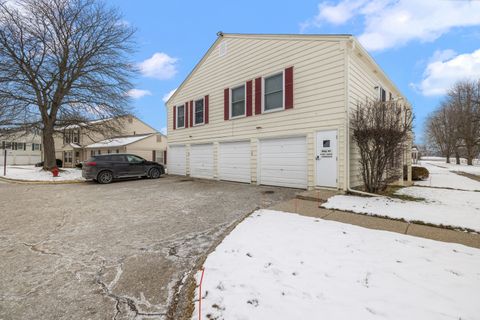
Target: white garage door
(283, 162)
(234, 161)
(201, 161)
(176, 160)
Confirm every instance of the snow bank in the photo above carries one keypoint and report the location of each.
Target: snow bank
(277, 265)
(444, 178)
(32, 173)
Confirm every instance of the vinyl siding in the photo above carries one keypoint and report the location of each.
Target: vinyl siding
(319, 94)
(363, 77)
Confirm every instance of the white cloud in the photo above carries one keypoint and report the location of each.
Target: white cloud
(160, 66)
(335, 14)
(441, 73)
(168, 95)
(138, 93)
(393, 23)
(163, 130)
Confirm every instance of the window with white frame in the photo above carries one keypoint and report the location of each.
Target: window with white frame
(181, 116)
(237, 107)
(273, 93)
(199, 112)
(68, 156)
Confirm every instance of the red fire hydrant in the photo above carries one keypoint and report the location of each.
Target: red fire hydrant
(55, 171)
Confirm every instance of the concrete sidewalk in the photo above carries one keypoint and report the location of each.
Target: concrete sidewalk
(311, 208)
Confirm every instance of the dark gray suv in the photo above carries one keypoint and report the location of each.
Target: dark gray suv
(105, 168)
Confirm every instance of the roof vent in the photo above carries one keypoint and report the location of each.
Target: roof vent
(222, 49)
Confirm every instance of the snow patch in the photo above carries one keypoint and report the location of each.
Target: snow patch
(277, 265)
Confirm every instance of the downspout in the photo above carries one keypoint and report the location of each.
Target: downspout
(351, 43)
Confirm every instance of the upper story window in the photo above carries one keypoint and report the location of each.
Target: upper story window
(199, 112)
(181, 116)
(237, 108)
(382, 95)
(273, 94)
(70, 136)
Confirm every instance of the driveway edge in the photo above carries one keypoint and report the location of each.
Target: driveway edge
(183, 302)
(21, 181)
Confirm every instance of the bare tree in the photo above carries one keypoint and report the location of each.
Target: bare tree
(63, 62)
(463, 100)
(380, 130)
(441, 131)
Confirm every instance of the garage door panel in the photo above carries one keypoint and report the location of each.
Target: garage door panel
(201, 161)
(283, 162)
(234, 161)
(176, 163)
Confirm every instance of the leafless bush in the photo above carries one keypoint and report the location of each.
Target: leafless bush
(380, 130)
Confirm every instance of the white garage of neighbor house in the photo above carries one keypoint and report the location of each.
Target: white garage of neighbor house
(23, 148)
(274, 110)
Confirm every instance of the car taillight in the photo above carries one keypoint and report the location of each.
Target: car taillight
(91, 164)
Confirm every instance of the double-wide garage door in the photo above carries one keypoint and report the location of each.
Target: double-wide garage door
(283, 162)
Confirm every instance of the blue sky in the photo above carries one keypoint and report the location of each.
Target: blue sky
(423, 46)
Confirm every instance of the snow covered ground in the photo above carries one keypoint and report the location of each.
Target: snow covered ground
(32, 173)
(444, 160)
(441, 206)
(475, 169)
(445, 178)
(277, 265)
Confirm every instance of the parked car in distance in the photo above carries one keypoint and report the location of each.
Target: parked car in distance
(59, 163)
(105, 168)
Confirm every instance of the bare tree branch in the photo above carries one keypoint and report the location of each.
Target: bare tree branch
(62, 61)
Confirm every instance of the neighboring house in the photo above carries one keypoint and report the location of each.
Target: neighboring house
(140, 144)
(24, 148)
(77, 143)
(274, 110)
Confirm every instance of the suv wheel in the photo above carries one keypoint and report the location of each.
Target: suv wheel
(154, 173)
(105, 177)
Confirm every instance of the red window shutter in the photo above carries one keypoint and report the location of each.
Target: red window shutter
(165, 157)
(186, 114)
(206, 109)
(174, 117)
(249, 98)
(191, 114)
(289, 88)
(226, 103)
(258, 96)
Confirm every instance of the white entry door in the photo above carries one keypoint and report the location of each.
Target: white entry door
(234, 161)
(201, 161)
(326, 158)
(283, 162)
(176, 160)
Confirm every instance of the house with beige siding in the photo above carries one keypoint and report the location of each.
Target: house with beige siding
(21, 148)
(77, 143)
(274, 110)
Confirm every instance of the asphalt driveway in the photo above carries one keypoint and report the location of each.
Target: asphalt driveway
(118, 251)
